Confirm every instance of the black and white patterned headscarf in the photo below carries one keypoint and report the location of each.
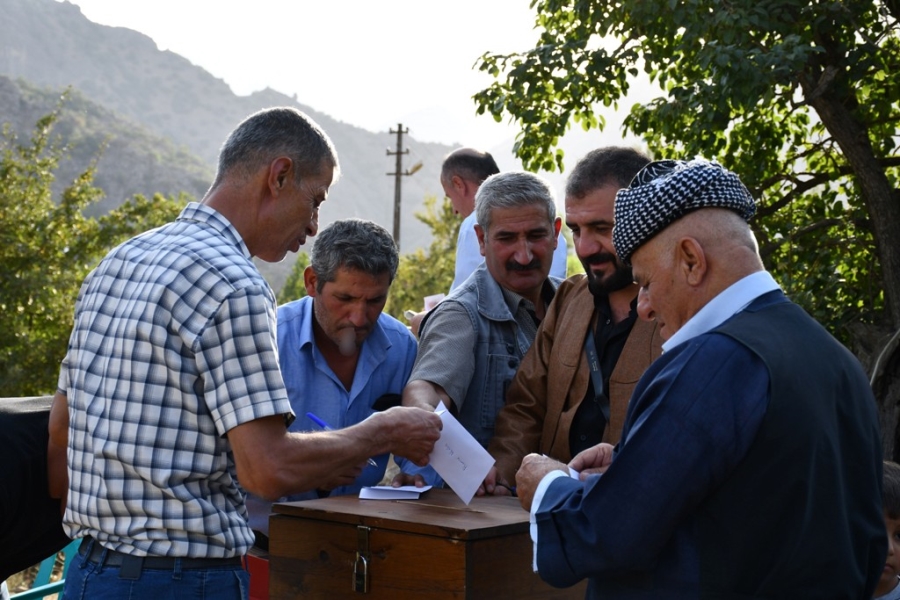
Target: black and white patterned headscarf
(666, 190)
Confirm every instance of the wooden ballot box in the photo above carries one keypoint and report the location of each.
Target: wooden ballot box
(432, 548)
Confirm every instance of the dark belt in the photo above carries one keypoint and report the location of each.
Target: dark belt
(131, 566)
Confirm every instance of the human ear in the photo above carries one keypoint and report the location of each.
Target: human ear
(479, 232)
(691, 260)
(279, 170)
(309, 281)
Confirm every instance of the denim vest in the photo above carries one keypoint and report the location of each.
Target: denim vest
(500, 345)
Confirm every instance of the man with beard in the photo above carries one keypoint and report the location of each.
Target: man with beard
(572, 389)
(471, 344)
(340, 356)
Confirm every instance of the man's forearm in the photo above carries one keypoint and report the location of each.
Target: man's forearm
(425, 394)
(58, 428)
(272, 462)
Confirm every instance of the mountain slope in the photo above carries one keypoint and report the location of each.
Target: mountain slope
(129, 159)
(53, 45)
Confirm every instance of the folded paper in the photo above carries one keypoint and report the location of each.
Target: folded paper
(458, 457)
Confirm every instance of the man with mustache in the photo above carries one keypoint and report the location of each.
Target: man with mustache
(339, 353)
(471, 344)
(558, 404)
(462, 173)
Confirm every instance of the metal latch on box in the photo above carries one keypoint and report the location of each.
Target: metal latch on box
(361, 564)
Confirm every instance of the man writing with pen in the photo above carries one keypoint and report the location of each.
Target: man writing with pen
(321, 423)
(342, 358)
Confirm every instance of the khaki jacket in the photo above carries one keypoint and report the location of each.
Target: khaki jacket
(552, 381)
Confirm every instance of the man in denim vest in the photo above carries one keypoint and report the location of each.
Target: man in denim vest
(471, 344)
(572, 389)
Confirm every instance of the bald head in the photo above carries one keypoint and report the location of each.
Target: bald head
(462, 173)
(470, 164)
(718, 230)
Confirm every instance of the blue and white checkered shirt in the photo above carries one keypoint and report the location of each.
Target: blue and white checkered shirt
(173, 345)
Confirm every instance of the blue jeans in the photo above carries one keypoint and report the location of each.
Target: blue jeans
(89, 581)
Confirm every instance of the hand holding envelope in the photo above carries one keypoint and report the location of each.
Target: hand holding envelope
(458, 457)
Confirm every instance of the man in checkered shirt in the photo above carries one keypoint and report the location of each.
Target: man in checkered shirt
(171, 396)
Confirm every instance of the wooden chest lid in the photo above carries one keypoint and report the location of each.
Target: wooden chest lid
(438, 512)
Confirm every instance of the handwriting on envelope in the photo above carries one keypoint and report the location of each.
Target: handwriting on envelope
(458, 457)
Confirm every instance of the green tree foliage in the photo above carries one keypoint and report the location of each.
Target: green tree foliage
(46, 250)
(425, 273)
(799, 97)
(294, 288)
(573, 265)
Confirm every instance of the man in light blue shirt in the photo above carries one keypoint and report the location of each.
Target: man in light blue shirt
(339, 354)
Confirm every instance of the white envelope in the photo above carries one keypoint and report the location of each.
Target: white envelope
(387, 492)
(458, 457)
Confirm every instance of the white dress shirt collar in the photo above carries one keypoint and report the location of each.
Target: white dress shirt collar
(730, 301)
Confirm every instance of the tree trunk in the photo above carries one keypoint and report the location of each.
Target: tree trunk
(887, 392)
(878, 349)
(883, 207)
(881, 202)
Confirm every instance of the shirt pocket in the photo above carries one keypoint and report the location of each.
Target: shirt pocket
(501, 368)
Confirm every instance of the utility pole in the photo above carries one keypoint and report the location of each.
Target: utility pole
(398, 173)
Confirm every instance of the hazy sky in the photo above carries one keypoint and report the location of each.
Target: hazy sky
(372, 63)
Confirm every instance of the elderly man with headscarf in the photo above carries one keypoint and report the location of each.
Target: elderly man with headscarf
(750, 462)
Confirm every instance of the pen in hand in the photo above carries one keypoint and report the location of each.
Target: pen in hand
(328, 427)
